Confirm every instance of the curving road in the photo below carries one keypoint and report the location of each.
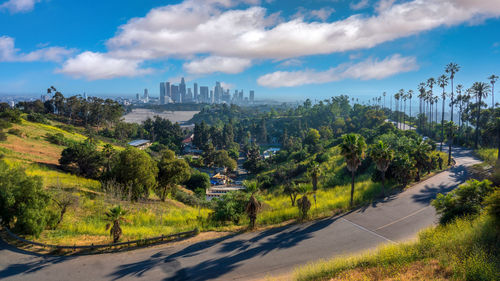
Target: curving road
(252, 255)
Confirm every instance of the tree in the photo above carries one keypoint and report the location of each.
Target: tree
(304, 206)
(171, 171)
(420, 154)
(443, 82)
(252, 208)
(293, 190)
(222, 159)
(480, 90)
(382, 155)
(137, 171)
(108, 152)
(312, 137)
(402, 168)
(410, 96)
(422, 98)
(430, 83)
(23, 201)
(353, 148)
(114, 217)
(450, 129)
(85, 156)
(493, 79)
(63, 200)
(230, 207)
(198, 180)
(452, 69)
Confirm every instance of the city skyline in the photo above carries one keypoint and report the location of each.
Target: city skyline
(288, 51)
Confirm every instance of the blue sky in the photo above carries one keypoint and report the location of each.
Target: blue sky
(283, 49)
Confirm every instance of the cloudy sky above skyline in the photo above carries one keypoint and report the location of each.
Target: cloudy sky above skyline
(284, 49)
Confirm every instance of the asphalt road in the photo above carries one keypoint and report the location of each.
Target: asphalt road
(252, 255)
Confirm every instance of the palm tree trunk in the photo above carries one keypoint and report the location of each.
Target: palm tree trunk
(383, 184)
(352, 189)
(442, 124)
(476, 142)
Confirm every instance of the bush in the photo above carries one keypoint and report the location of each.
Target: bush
(23, 201)
(37, 118)
(466, 200)
(58, 139)
(198, 180)
(230, 207)
(3, 136)
(186, 198)
(15, 132)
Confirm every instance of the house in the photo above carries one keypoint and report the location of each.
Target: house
(270, 152)
(218, 191)
(140, 144)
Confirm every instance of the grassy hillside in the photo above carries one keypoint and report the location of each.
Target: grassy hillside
(463, 250)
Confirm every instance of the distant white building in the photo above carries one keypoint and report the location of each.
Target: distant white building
(140, 144)
(218, 191)
(270, 152)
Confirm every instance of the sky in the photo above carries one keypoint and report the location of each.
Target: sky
(282, 49)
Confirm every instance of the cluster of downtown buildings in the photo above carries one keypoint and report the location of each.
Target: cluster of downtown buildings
(170, 93)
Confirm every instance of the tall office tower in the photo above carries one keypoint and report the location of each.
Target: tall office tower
(195, 96)
(217, 92)
(189, 95)
(252, 96)
(212, 98)
(137, 96)
(182, 89)
(204, 94)
(240, 97)
(168, 90)
(176, 95)
(146, 96)
(162, 93)
(85, 96)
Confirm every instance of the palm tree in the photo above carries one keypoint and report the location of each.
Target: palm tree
(353, 148)
(405, 97)
(481, 91)
(384, 94)
(253, 207)
(436, 100)
(410, 96)
(452, 69)
(421, 96)
(430, 83)
(396, 97)
(493, 78)
(443, 82)
(114, 216)
(314, 171)
(382, 155)
(421, 156)
(108, 152)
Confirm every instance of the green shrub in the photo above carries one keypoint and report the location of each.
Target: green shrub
(3, 136)
(198, 180)
(58, 139)
(23, 201)
(37, 118)
(466, 200)
(230, 207)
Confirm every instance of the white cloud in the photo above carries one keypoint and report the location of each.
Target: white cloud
(383, 5)
(226, 86)
(323, 13)
(291, 63)
(94, 66)
(226, 29)
(360, 5)
(365, 70)
(19, 6)
(9, 53)
(217, 64)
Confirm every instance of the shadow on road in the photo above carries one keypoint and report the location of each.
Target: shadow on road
(227, 254)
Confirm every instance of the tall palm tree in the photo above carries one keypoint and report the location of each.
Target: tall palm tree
(353, 148)
(443, 82)
(452, 69)
(405, 97)
(382, 155)
(384, 94)
(493, 79)
(436, 100)
(410, 96)
(481, 91)
(396, 97)
(114, 216)
(421, 96)
(430, 83)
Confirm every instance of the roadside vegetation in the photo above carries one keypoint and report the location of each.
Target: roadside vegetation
(464, 247)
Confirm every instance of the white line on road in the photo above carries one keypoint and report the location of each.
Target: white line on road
(367, 230)
(398, 220)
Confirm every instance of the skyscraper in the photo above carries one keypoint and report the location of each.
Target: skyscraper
(217, 92)
(204, 97)
(162, 93)
(176, 95)
(146, 96)
(182, 89)
(252, 96)
(189, 96)
(195, 89)
(168, 90)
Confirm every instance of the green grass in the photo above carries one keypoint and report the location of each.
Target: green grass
(488, 155)
(468, 248)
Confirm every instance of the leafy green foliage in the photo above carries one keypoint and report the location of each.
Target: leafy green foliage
(23, 201)
(84, 155)
(171, 171)
(198, 180)
(114, 216)
(466, 200)
(230, 207)
(136, 171)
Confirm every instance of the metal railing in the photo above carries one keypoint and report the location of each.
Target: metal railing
(92, 247)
